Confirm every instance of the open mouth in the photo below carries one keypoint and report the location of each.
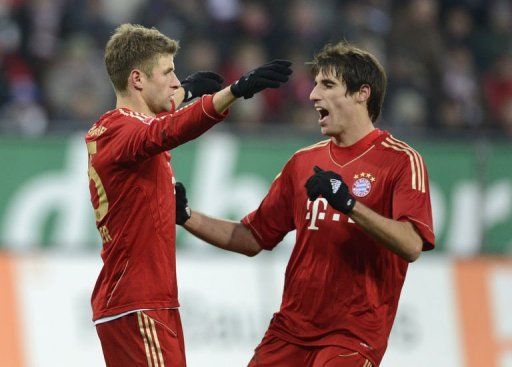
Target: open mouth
(323, 114)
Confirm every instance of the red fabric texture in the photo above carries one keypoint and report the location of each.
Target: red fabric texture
(144, 338)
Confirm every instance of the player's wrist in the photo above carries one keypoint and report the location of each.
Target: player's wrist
(347, 204)
(235, 90)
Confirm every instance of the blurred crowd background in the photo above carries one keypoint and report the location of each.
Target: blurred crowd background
(449, 62)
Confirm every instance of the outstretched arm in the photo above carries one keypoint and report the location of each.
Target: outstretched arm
(224, 234)
(270, 75)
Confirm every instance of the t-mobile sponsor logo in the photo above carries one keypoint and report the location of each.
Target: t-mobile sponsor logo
(317, 211)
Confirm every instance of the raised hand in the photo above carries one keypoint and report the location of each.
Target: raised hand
(201, 82)
(270, 75)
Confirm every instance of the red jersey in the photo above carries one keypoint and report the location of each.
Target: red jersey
(132, 193)
(341, 286)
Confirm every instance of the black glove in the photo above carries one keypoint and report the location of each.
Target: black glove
(201, 82)
(331, 186)
(270, 75)
(183, 212)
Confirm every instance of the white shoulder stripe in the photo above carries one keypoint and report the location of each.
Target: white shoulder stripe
(418, 160)
(417, 167)
(316, 145)
(142, 118)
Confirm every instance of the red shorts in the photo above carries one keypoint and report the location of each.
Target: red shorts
(151, 338)
(275, 352)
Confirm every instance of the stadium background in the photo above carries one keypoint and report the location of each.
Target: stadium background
(449, 65)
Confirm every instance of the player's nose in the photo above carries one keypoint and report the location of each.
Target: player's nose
(313, 96)
(175, 82)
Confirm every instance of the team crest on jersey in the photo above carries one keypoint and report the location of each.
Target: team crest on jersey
(362, 184)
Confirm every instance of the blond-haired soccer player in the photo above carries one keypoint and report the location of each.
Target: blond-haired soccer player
(360, 204)
(135, 300)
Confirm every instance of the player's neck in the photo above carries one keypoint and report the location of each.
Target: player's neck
(134, 103)
(353, 133)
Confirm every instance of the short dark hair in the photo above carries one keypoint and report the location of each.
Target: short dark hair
(134, 46)
(354, 67)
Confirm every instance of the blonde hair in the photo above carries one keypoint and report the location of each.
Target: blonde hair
(134, 46)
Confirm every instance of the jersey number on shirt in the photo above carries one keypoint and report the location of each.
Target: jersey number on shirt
(102, 208)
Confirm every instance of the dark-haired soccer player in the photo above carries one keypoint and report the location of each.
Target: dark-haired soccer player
(135, 300)
(360, 203)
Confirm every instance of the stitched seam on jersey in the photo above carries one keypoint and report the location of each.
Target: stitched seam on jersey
(420, 222)
(161, 323)
(255, 230)
(117, 283)
(341, 355)
(348, 355)
(206, 113)
(346, 164)
(411, 160)
(140, 117)
(419, 162)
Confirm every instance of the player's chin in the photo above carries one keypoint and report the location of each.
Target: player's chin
(166, 107)
(325, 131)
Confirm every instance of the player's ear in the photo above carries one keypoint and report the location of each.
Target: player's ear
(136, 78)
(364, 93)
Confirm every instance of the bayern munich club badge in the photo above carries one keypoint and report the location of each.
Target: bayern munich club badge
(362, 184)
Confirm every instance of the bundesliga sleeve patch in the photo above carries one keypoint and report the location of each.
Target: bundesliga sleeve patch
(362, 184)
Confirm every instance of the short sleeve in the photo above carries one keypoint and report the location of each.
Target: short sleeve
(274, 217)
(411, 198)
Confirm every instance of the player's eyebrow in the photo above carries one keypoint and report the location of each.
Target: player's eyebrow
(326, 81)
(169, 70)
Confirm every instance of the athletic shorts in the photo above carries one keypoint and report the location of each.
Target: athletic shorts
(275, 352)
(152, 338)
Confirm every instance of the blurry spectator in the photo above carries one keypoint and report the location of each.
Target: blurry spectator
(406, 105)
(223, 11)
(416, 43)
(20, 111)
(506, 117)
(246, 56)
(368, 17)
(460, 86)
(198, 54)
(498, 92)
(307, 24)
(40, 22)
(77, 86)
(437, 53)
(459, 27)
(22, 115)
(496, 36)
(298, 108)
(87, 17)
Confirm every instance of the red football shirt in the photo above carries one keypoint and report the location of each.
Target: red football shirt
(341, 286)
(132, 192)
